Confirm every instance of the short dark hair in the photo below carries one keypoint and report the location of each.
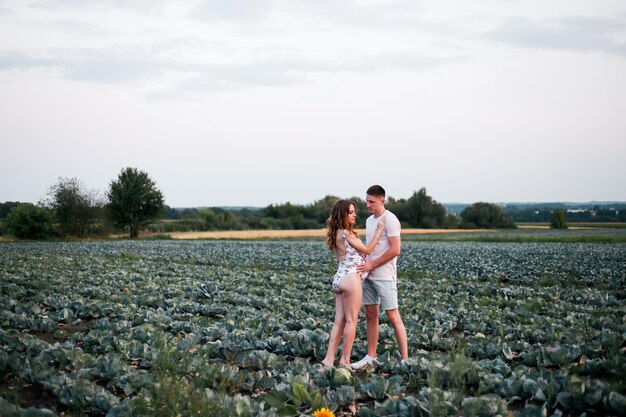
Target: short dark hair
(376, 191)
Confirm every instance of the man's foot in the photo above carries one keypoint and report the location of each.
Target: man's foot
(366, 361)
(408, 362)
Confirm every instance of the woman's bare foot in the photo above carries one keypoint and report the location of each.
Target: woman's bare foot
(325, 367)
(346, 366)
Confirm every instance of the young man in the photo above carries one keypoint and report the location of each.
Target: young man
(380, 290)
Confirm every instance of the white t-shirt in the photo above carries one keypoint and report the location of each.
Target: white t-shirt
(387, 271)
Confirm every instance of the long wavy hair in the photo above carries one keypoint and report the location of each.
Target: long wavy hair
(338, 220)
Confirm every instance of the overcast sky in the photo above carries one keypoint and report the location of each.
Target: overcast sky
(257, 102)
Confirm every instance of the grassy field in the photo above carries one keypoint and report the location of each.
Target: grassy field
(578, 225)
(525, 233)
(281, 234)
(237, 327)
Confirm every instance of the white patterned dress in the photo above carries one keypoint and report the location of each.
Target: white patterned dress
(348, 264)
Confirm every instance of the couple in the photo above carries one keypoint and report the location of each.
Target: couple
(371, 280)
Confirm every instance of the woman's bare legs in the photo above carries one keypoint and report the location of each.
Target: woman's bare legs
(347, 306)
(336, 332)
(352, 297)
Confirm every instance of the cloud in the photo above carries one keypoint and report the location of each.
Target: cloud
(137, 5)
(231, 10)
(593, 34)
(382, 14)
(295, 70)
(141, 65)
(150, 67)
(6, 11)
(385, 14)
(264, 43)
(84, 64)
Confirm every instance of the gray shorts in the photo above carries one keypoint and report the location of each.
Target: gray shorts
(384, 293)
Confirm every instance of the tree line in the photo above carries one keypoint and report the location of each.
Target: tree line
(418, 211)
(133, 203)
(70, 209)
(614, 212)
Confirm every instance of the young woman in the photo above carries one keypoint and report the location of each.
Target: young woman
(349, 251)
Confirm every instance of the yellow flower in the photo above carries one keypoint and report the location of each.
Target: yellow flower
(323, 412)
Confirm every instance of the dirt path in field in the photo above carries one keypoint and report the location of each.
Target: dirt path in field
(259, 234)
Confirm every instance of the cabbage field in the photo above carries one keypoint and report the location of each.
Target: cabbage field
(198, 328)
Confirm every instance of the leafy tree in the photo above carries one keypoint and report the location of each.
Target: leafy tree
(251, 218)
(209, 218)
(283, 211)
(76, 209)
(227, 220)
(171, 213)
(189, 213)
(27, 221)
(292, 216)
(559, 219)
(134, 200)
(485, 215)
(320, 210)
(451, 222)
(6, 207)
(420, 210)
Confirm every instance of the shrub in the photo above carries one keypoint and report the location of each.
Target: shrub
(559, 219)
(27, 221)
(486, 215)
(78, 211)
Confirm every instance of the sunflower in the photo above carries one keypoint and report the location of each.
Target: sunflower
(323, 412)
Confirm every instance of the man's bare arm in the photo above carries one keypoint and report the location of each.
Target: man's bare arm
(392, 252)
